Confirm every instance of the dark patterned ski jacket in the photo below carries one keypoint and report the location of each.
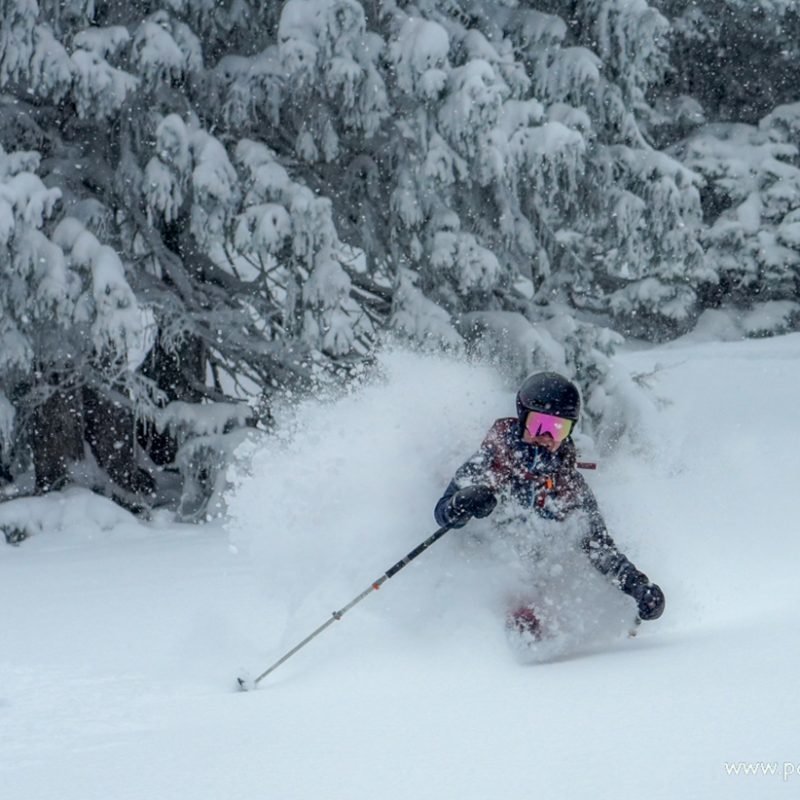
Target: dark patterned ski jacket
(543, 483)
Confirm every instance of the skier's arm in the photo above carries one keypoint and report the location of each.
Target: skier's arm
(467, 494)
(607, 559)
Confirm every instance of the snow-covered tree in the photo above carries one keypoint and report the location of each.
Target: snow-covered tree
(752, 199)
(233, 268)
(737, 59)
(244, 197)
(626, 243)
(516, 150)
(72, 333)
(729, 109)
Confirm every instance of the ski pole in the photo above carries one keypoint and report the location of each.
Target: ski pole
(337, 615)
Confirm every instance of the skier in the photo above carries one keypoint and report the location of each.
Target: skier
(528, 464)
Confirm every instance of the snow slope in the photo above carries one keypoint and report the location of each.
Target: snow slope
(120, 642)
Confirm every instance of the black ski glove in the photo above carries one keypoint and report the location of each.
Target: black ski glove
(472, 501)
(648, 596)
(650, 601)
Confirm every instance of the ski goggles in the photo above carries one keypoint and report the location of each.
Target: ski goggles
(537, 423)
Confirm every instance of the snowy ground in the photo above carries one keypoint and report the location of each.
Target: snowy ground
(120, 642)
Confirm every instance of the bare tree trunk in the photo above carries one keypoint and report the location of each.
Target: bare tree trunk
(57, 437)
(110, 431)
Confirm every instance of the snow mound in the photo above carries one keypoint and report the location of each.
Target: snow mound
(74, 514)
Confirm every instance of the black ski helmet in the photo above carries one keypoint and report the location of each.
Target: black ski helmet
(548, 392)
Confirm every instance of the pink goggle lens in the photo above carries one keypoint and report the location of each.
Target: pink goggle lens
(538, 423)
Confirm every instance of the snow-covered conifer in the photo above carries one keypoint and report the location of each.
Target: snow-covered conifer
(71, 325)
(251, 194)
(737, 59)
(752, 198)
